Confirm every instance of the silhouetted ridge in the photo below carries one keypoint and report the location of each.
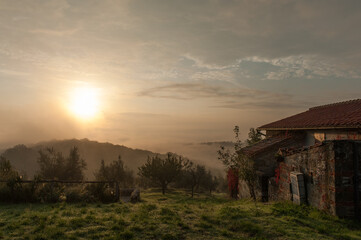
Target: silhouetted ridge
(24, 158)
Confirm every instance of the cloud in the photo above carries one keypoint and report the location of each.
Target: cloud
(143, 115)
(224, 96)
(218, 143)
(189, 91)
(228, 55)
(302, 66)
(278, 75)
(58, 33)
(219, 75)
(214, 34)
(270, 104)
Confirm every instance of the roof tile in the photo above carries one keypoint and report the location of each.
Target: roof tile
(340, 115)
(278, 141)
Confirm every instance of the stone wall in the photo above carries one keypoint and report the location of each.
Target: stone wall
(346, 154)
(329, 172)
(318, 165)
(243, 190)
(265, 164)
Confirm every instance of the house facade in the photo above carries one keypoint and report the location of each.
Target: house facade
(312, 157)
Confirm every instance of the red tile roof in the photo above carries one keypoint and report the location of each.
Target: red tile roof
(337, 115)
(277, 142)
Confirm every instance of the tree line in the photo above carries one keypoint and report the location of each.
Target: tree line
(180, 173)
(158, 171)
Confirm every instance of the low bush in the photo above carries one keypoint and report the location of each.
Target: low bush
(78, 194)
(101, 192)
(51, 192)
(16, 191)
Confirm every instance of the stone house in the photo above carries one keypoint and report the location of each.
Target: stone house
(312, 157)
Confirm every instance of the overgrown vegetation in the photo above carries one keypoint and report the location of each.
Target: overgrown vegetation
(172, 216)
(240, 167)
(61, 178)
(254, 136)
(50, 185)
(177, 172)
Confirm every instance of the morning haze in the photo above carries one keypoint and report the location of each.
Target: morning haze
(169, 75)
(180, 119)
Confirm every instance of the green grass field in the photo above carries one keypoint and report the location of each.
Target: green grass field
(172, 216)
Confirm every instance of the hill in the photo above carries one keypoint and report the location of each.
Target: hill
(24, 158)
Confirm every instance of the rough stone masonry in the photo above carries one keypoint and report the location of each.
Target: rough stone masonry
(332, 173)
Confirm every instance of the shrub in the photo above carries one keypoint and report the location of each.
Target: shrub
(5, 193)
(51, 192)
(115, 171)
(16, 191)
(101, 192)
(78, 194)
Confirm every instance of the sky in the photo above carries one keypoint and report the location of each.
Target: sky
(166, 74)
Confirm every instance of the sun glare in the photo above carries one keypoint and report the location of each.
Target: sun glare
(84, 103)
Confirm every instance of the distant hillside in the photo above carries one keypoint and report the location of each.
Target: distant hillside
(24, 158)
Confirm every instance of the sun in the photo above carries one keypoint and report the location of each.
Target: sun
(84, 102)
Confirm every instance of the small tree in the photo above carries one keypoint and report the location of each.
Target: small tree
(12, 190)
(162, 171)
(7, 172)
(231, 162)
(239, 167)
(54, 166)
(254, 136)
(194, 175)
(74, 165)
(115, 171)
(210, 182)
(51, 163)
(247, 173)
(222, 183)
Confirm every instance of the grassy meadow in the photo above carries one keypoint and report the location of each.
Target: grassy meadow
(172, 216)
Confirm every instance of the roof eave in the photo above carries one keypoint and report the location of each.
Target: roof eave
(309, 128)
(262, 150)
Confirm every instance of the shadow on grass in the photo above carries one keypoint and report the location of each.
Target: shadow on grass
(317, 221)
